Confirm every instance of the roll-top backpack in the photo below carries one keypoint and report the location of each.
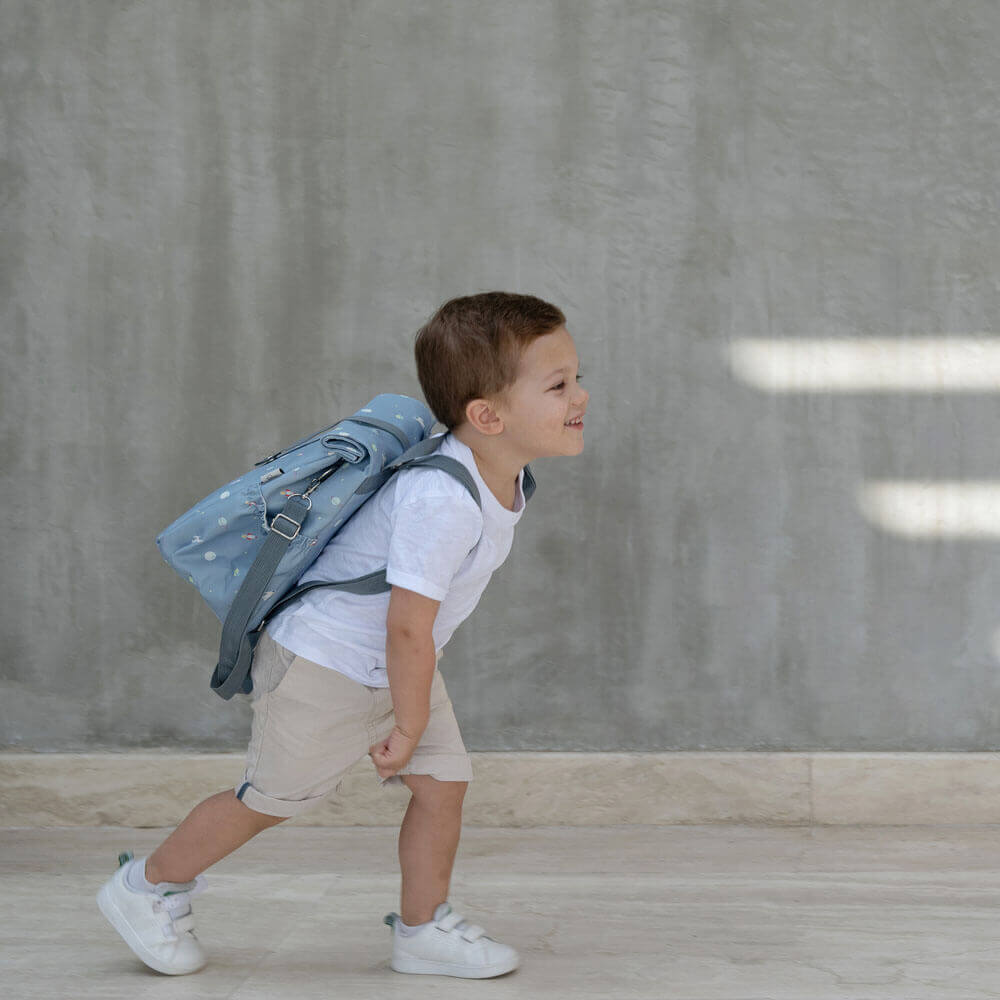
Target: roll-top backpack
(246, 544)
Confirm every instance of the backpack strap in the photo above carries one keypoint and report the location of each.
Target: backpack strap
(232, 672)
(424, 453)
(382, 425)
(376, 583)
(236, 646)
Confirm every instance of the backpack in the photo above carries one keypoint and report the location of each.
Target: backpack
(246, 544)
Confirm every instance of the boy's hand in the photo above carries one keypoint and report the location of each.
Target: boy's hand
(393, 753)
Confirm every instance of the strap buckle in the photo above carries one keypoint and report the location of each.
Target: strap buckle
(298, 526)
(278, 531)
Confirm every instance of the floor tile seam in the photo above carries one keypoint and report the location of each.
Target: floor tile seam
(812, 790)
(968, 885)
(970, 881)
(845, 880)
(721, 828)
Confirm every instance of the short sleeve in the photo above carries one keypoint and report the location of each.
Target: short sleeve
(429, 540)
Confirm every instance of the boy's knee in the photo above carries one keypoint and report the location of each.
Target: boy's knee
(263, 820)
(430, 791)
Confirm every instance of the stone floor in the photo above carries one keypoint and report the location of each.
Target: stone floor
(664, 912)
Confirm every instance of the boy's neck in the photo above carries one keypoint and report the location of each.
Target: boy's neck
(498, 468)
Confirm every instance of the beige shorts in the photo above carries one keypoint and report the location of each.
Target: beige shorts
(311, 724)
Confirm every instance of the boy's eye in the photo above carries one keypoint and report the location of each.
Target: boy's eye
(579, 378)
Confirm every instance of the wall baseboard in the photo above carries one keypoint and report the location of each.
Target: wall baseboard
(156, 789)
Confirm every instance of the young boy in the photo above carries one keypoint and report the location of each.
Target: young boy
(338, 675)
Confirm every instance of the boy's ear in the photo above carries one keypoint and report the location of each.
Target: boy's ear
(483, 417)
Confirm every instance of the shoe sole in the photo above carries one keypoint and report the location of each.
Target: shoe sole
(423, 966)
(115, 917)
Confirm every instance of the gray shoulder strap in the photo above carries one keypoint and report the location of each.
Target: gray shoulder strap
(376, 583)
(424, 454)
(238, 642)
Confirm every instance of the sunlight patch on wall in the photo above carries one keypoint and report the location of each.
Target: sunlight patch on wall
(933, 508)
(869, 364)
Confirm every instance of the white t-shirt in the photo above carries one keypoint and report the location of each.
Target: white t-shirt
(426, 528)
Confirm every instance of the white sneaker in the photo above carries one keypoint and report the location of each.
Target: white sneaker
(158, 926)
(450, 946)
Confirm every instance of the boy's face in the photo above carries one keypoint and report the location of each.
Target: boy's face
(544, 398)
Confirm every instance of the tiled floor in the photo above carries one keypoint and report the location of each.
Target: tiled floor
(635, 911)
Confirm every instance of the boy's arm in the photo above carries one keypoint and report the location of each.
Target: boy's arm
(410, 658)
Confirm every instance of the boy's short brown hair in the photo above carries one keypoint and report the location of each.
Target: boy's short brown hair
(470, 349)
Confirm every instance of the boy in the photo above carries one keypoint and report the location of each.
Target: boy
(337, 675)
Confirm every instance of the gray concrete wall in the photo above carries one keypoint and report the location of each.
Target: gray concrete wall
(223, 223)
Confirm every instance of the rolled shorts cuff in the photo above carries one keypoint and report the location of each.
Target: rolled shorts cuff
(443, 766)
(262, 803)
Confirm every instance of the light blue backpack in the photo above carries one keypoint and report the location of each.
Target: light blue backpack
(246, 544)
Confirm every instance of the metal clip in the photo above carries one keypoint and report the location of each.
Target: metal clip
(326, 473)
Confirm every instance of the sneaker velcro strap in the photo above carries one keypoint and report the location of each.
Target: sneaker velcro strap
(185, 923)
(453, 920)
(450, 921)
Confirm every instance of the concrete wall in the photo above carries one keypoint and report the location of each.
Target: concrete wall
(223, 224)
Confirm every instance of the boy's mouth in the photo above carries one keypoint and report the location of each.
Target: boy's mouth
(577, 424)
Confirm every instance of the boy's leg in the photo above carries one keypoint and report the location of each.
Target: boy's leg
(157, 923)
(428, 842)
(213, 829)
